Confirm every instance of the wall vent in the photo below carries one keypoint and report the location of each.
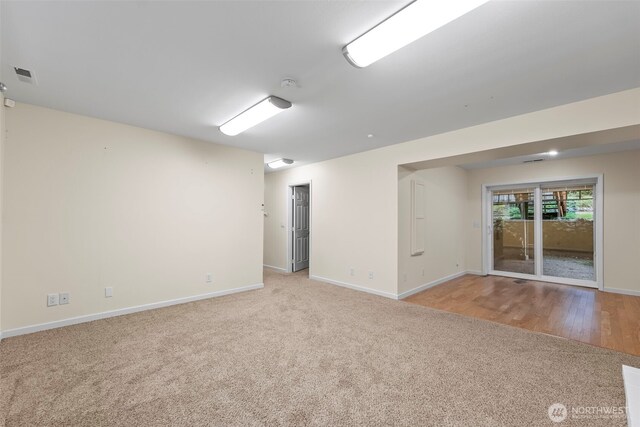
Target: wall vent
(26, 76)
(533, 161)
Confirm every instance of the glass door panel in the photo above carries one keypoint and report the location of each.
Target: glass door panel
(513, 216)
(568, 231)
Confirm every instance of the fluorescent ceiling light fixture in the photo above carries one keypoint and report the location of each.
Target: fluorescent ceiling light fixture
(260, 112)
(553, 153)
(409, 24)
(279, 163)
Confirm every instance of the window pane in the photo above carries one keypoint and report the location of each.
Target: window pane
(513, 230)
(568, 231)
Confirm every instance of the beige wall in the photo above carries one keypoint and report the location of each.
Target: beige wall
(355, 198)
(91, 203)
(446, 204)
(348, 214)
(621, 206)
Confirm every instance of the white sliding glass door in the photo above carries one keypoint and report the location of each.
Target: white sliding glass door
(546, 231)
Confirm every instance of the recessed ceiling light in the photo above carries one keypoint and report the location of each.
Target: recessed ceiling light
(260, 112)
(370, 135)
(409, 24)
(553, 153)
(280, 163)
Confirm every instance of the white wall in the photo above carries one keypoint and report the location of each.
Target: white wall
(446, 204)
(355, 198)
(90, 203)
(2, 136)
(621, 198)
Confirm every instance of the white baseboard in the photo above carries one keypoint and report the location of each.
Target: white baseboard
(121, 311)
(622, 291)
(431, 284)
(354, 287)
(271, 267)
(476, 272)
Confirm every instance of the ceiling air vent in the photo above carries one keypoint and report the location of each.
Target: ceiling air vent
(26, 76)
(533, 161)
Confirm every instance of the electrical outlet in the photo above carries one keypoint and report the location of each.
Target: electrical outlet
(423, 272)
(64, 298)
(371, 275)
(52, 299)
(404, 277)
(209, 278)
(108, 292)
(352, 271)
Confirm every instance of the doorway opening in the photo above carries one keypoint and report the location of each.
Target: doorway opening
(548, 231)
(299, 227)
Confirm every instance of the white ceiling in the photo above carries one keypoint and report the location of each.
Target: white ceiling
(614, 140)
(589, 150)
(187, 67)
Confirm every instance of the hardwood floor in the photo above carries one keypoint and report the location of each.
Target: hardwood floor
(599, 318)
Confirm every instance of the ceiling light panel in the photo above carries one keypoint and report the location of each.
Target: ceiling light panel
(260, 112)
(276, 164)
(409, 24)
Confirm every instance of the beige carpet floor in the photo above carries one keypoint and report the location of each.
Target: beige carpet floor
(300, 352)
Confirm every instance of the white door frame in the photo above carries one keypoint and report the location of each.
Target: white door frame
(289, 254)
(487, 232)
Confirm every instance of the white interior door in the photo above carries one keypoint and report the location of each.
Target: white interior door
(300, 234)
